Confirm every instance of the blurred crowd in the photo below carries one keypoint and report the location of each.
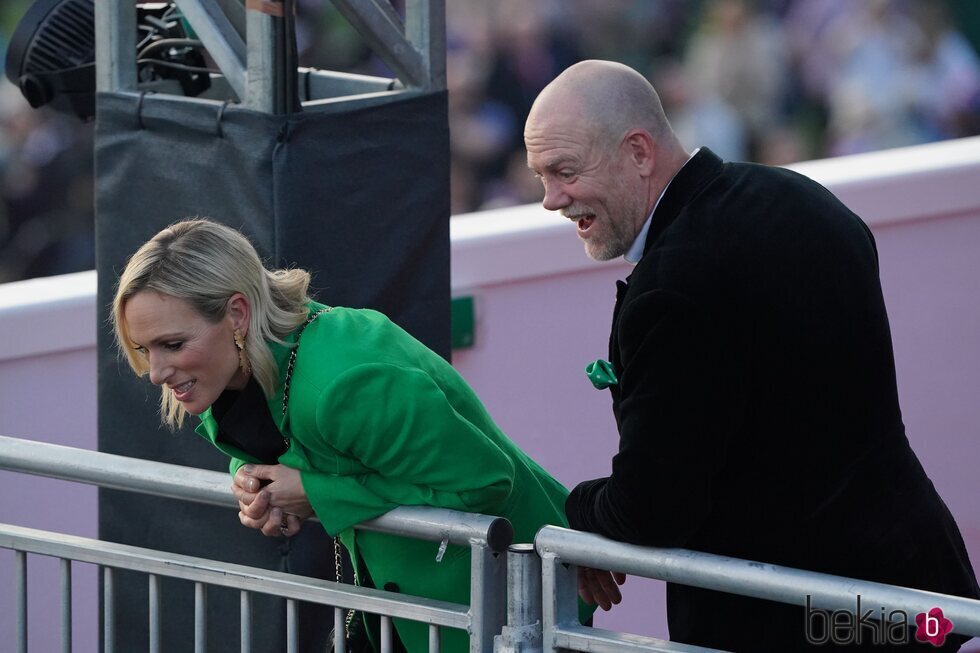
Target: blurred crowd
(773, 81)
(46, 190)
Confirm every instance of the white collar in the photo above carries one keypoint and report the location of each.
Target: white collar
(635, 252)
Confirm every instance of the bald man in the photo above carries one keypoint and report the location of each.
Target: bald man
(754, 387)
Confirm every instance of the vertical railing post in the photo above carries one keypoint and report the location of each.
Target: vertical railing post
(339, 632)
(292, 627)
(522, 634)
(21, 588)
(559, 604)
(109, 611)
(488, 603)
(246, 622)
(154, 612)
(65, 605)
(200, 618)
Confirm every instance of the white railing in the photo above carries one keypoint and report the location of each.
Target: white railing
(109, 556)
(485, 536)
(537, 584)
(561, 549)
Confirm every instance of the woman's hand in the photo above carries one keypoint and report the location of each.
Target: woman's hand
(278, 507)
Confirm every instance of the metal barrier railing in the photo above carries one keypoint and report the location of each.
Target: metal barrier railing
(538, 592)
(561, 549)
(487, 537)
(203, 573)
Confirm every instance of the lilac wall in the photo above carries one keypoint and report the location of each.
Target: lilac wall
(930, 273)
(535, 337)
(535, 333)
(51, 398)
(543, 312)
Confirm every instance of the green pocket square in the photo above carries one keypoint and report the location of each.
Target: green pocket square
(601, 374)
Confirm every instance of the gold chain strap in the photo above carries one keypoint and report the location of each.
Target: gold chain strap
(338, 561)
(339, 572)
(292, 358)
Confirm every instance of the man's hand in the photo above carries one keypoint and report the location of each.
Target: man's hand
(601, 587)
(279, 507)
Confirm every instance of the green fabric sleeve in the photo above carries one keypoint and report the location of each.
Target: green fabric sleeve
(234, 464)
(398, 422)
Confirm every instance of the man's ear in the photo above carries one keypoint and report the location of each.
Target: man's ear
(639, 144)
(239, 312)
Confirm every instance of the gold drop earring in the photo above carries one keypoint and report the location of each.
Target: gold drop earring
(242, 356)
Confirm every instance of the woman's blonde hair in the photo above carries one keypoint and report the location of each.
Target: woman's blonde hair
(205, 263)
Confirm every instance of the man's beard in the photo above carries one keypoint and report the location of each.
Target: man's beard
(619, 236)
(614, 244)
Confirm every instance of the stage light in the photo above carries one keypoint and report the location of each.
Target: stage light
(51, 55)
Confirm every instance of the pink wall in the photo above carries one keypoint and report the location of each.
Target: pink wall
(50, 398)
(543, 312)
(930, 273)
(535, 337)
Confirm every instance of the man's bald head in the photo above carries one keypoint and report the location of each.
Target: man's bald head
(598, 140)
(609, 97)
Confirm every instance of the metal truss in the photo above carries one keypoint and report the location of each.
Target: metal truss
(245, 43)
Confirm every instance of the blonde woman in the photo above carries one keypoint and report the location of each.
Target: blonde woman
(356, 415)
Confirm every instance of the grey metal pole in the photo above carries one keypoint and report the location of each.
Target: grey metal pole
(246, 622)
(339, 634)
(750, 578)
(115, 46)
(200, 617)
(218, 34)
(213, 488)
(65, 605)
(433, 638)
(262, 61)
(21, 588)
(558, 603)
(385, 634)
(425, 29)
(154, 610)
(108, 607)
(522, 634)
(488, 584)
(292, 629)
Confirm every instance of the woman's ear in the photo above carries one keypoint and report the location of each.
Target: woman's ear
(239, 312)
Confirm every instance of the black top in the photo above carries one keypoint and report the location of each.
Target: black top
(244, 421)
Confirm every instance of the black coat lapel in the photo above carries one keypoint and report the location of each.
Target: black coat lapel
(688, 182)
(621, 288)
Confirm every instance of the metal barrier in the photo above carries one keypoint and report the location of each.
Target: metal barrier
(487, 537)
(561, 549)
(541, 590)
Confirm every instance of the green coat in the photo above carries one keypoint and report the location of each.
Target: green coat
(376, 420)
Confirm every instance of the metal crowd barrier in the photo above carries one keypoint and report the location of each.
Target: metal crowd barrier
(486, 536)
(561, 549)
(521, 603)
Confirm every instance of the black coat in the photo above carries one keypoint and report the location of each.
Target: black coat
(757, 405)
